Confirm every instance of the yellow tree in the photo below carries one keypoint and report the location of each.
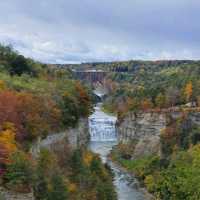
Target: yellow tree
(188, 91)
(7, 145)
(2, 85)
(160, 100)
(87, 158)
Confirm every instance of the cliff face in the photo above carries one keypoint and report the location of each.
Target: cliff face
(74, 137)
(141, 125)
(79, 136)
(145, 129)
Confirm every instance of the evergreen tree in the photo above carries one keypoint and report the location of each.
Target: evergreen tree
(40, 187)
(20, 65)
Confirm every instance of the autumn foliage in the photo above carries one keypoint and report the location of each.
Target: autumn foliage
(38, 114)
(188, 91)
(26, 115)
(7, 145)
(83, 99)
(9, 112)
(31, 115)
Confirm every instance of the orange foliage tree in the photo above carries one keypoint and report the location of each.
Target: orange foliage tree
(83, 99)
(169, 139)
(132, 104)
(38, 114)
(2, 85)
(146, 104)
(31, 115)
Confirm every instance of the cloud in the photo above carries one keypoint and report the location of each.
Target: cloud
(81, 31)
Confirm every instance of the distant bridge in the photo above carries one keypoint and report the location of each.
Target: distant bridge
(92, 76)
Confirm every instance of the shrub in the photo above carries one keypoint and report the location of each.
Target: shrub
(58, 189)
(19, 173)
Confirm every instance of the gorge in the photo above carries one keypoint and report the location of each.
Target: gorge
(57, 142)
(103, 135)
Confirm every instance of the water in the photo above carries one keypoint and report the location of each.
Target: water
(103, 138)
(102, 126)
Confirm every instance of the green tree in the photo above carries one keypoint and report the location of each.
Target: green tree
(19, 66)
(96, 165)
(69, 110)
(41, 187)
(105, 191)
(19, 171)
(46, 164)
(77, 161)
(58, 190)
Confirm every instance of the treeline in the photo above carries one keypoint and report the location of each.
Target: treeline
(132, 66)
(155, 88)
(17, 64)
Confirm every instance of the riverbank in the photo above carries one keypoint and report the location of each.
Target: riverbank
(127, 166)
(175, 178)
(135, 182)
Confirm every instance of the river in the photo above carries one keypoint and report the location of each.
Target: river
(103, 137)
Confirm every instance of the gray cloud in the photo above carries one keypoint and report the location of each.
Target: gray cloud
(87, 30)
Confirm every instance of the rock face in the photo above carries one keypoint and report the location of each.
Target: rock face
(74, 137)
(145, 130)
(79, 136)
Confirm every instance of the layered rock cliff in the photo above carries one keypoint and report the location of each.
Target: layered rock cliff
(144, 129)
(74, 137)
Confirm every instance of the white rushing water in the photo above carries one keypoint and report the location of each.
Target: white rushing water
(103, 138)
(102, 126)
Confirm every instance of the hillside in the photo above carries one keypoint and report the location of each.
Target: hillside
(37, 101)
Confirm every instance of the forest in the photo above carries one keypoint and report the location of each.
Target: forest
(154, 87)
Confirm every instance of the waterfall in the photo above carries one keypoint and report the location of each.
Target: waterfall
(102, 126)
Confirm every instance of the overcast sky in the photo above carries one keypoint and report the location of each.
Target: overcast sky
(71, 31)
